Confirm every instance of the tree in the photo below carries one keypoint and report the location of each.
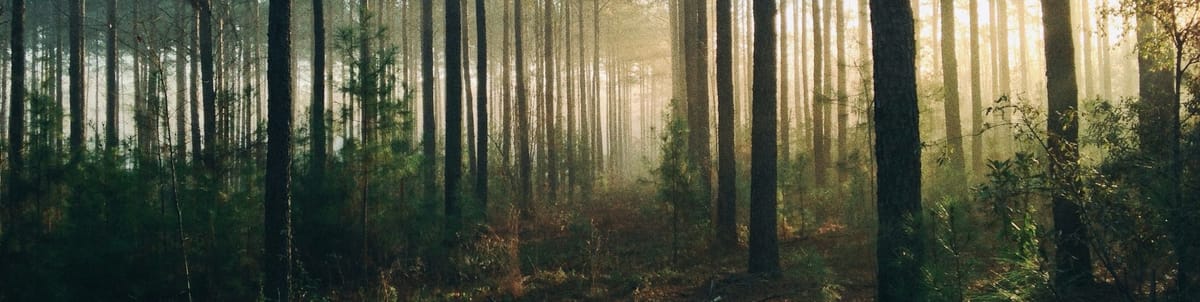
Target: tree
(899, 251)
(209, 89)
(819, 97)
(524, 174)
(1072, 259)
(481, 175)
(696, 72)
(428, 124)
(277, 230)
(726, 168)
(454, 116)
(950, 82)
(316, 121)
(76, 74)
(764, 248)
(976, 89)
(16, 123)
(550, 116)
(110, 72)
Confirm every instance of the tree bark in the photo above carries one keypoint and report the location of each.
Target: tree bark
(1072, 259)
(524, 162)
(899, 248)
(481, 173)
(16, 123)
(726, 168)
(76, 74)
(696, 54)
(317, 120)
(428, 122)
(950, 82)
(209, 91)
(277, 208)
(976, 92)
(764, 248)
(454, 128)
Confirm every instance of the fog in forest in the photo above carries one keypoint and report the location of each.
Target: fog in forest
(599, 150)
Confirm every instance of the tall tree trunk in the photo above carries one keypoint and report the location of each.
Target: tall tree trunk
(976, 91)
(277, 231)
(209, 90)
(696, 54)
(181, 98)
(316, 122)
(428, 122)
(506, 149)
(842, 98)
(481, 172)
(785, 122)
(1072, 259)
(950, 82)
(76, 74)
(726, 168)
(454, 130)
(16, 123)
(193, 89)
(819, 96)
(550, 116)
(524, 162)
(899, 248)
(111, 106)
(764, 248)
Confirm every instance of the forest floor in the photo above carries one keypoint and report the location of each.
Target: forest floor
(619, 246)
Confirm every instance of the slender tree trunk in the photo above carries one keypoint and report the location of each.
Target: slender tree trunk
(785, 122)
(209, 91)
(842, 98)
(481, 172)
(524, 202)
(899, 248)
(111, 98)
(277, 208)
(454, 130)
(507, 83)
(726, 168)
(976, 91)
(181, 98)
(16, 123)
(696, 54)
(428, 122)
(76, 74)
(764, 249)
(550, 116)
(317, 120)
(193, 89)
(819, 96)
(1072, 259)
(950, 84)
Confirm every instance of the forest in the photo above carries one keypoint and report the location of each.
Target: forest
(600, 150)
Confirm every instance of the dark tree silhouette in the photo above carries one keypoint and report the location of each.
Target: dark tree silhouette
(16, 124)
(764, 249)
(454, 128)
(726, 168)
(977, 91)
(209, 89)
(76, 74)
(110, 71)
(524, 175)
(899, 250)
(428, 124)
(695, 34)
(481, 174)
(316, 121)
(277, 230)
(1072, 260)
